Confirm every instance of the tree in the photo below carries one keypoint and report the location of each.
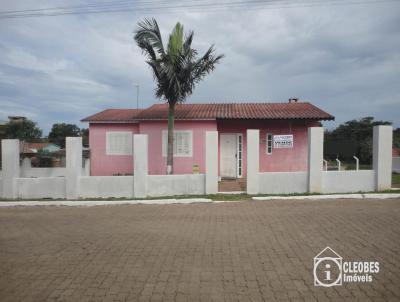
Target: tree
(359, 133)
(85, 136)
(396, 138)
(176, 68)
(24, 129)
(59, 132)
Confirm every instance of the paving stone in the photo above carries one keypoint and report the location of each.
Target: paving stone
(242, 251)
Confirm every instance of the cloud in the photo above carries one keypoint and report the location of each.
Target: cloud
(342, 58)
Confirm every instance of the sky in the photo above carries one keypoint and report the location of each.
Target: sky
(345, 59)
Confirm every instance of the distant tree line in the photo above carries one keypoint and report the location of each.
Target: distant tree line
(355, 138)
(28, 130)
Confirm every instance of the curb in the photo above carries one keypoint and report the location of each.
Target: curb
(332, 196)
(91, 203)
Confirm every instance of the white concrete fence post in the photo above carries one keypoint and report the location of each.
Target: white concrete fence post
(315, 158)
(211, 162)
(73, 166)
(140, 165)
(253, 154)
(382, 157)
(10, 167)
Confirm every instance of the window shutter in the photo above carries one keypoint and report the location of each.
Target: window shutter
(119, 143)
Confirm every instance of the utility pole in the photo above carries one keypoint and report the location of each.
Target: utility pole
(137, 96)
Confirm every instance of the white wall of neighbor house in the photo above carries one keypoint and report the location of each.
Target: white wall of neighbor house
(396, 164)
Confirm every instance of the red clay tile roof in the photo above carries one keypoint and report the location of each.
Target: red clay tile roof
(237, 111)
(113, 115)
(294, 110)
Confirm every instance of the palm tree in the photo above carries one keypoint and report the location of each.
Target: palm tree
(176, 68)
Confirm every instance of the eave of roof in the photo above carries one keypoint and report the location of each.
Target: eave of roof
(214, 111)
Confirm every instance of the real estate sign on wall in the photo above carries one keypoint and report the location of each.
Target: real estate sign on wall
(283, 141)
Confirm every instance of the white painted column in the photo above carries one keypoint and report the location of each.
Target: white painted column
(315, 158)
(253, 162)
(73, 164)
(140, 165)
(10, 167)
(211, 162)
(382, 157)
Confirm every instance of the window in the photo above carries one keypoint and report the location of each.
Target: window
(119, 143)
(269, 143)
(183, 143)
(240, 148)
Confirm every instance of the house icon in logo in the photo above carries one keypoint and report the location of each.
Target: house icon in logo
(328, 268)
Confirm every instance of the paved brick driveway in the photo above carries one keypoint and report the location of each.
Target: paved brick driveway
(246, 251)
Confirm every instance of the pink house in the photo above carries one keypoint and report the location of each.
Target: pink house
(283, 136)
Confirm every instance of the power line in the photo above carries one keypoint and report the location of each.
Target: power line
(170, 6)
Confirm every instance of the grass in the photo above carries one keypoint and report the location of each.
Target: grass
(214, 197)
(395, 178)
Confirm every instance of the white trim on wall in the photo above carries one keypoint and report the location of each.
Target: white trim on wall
(119, 143)
(189, 143)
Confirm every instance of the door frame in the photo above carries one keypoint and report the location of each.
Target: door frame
(239, 153)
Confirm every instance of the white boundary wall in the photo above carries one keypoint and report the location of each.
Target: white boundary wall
(348, 181)
(43, 187)
(75, 184)
(170, 185)
(396, 164)
(72, 182)
(105, 186)
(282, 182)
(315, 180)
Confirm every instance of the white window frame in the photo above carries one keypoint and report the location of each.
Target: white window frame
(109, 149)
(267, 142)
(164, 139)
(239, 155)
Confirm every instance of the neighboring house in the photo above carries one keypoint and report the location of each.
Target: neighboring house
(110, 136)
(30, 148)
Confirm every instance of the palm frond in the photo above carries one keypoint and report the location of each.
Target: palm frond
(178, 69)
(149, 32)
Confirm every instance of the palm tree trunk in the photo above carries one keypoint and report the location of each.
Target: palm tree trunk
(170, 153)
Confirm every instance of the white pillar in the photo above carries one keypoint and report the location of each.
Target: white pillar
(315, 158)
(211, 162)
(382, 157)
(73, 166)
(10, 167)
(253, 154)
(140, 165)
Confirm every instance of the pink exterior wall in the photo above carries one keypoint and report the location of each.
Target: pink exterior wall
(281, 160)
(100, 162)
(182, 165)
(294, 159)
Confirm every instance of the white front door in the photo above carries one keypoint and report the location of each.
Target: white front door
(228, 155)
